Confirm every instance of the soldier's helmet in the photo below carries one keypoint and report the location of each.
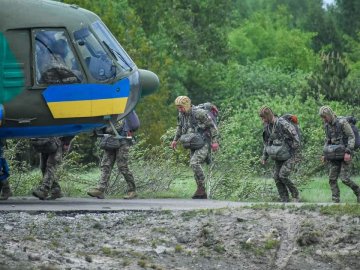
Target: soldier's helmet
(183, 101)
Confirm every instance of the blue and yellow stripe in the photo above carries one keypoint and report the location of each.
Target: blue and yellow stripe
(87, 100)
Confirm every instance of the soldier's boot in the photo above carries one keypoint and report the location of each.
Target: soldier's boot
(5, 190)
(200, 193)
(284, 199)
(97, 192)
(358, 196)
(130, 195)
(41, 192)
(55, 193)
(336, 199)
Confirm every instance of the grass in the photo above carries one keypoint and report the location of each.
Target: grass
(76, 184)
(318, 190)
(182, 188)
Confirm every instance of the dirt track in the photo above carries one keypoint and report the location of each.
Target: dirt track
(226, 238)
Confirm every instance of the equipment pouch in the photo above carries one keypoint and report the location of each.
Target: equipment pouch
(193, 141)
(108, 142)
(279, 151)
(334, 152)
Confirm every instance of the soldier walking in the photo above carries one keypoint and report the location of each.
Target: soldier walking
(282, 144)
(338, 150)
(51, 152)
(120, 155)
(197, 130)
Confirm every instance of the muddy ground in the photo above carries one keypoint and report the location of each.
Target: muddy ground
(241, 238)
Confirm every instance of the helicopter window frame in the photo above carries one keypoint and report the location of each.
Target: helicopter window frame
(61, 73)
(118, 52)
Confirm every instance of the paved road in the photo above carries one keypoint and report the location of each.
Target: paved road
(31, 204)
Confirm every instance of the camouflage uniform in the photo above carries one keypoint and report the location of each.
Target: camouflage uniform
(339, 131)
(49, 163)
(197, 121)
(282, 130)
(121, 156)
(5, 188)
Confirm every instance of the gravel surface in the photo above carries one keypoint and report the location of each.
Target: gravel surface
(237, 238)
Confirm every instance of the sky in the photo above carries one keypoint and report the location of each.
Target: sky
(326, 2)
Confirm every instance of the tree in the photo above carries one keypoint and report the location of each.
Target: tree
(268, 38)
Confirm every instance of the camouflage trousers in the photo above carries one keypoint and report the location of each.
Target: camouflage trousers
(49, 164)
(121, 156)
(284, 185)
(198, 157)
(342, 169)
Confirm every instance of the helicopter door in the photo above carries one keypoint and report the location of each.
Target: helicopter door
(55, 62)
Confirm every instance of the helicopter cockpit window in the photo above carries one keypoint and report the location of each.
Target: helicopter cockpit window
(98, 62)
(112, 45)
(55, 62)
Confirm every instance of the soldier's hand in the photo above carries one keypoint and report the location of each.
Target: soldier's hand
(263, 161)
(214, 146)
(347, 157)
(173, 144)
(322, 159)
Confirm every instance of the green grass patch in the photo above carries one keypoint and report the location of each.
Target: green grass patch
(318, 190)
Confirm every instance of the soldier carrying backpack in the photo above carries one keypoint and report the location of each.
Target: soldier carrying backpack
(282, 144)
(338, 149)
(197, 131)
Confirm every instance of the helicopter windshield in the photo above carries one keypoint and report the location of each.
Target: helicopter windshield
(98, 62)
(103, 55)
(55, 62)
(113, 45)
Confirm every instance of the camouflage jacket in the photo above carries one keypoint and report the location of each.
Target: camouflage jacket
(339, 131)
(119, 125)
(282, 131)
(196, 121)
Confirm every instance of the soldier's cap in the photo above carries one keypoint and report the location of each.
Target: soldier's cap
(326, 110)
(266, 112)
(183, 101)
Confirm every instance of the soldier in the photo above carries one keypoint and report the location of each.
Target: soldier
(51, 151)
(281, 143)
(120, 154)
(338, 149)
(4, 174)
(197, 124)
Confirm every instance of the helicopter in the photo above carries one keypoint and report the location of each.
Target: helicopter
(62, 72)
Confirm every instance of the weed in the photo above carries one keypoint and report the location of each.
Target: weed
(178, 248)
(272, 244)
(347, 209)
(126, 262)
(106, 251)
(159, 230)
(29, 238)
(219, 249)
(189, 215)
(142, 263)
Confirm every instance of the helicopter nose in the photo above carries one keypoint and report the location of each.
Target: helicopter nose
(149, 82)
